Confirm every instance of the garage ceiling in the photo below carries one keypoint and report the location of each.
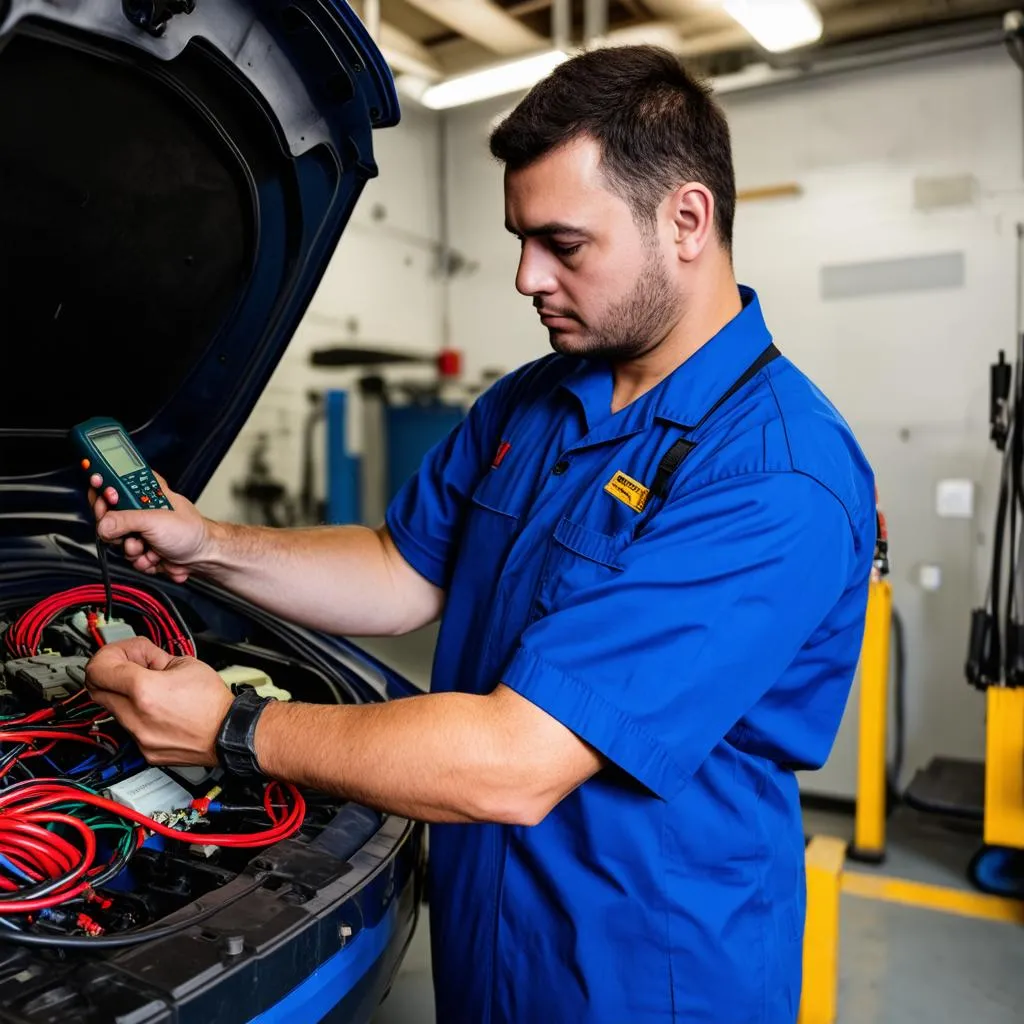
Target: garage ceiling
(440, 38)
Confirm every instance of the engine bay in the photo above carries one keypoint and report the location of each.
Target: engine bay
(96, 847)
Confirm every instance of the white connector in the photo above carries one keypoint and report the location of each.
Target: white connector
(149, 792)
(241, 675)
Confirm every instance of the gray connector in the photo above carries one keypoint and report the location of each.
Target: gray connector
(115, 630)
(47, 675)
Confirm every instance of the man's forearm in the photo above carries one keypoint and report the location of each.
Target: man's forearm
(447, 757)
(343, 579)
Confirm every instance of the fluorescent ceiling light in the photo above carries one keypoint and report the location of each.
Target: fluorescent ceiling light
(777, 25)
(493, 81)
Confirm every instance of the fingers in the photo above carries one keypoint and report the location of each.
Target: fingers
(115, 525)
(139, 650)
(111, 672)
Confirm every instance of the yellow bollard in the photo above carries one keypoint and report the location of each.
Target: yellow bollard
(1004, 767)
(820, 995)
(869, 827)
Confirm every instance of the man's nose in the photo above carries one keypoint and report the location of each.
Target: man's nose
(535, 276)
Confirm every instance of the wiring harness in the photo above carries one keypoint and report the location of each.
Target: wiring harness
(65, 848)
(165, 627)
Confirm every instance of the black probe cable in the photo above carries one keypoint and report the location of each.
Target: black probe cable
(108, 586)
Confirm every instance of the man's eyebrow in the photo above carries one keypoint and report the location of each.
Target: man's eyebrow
(546, 230)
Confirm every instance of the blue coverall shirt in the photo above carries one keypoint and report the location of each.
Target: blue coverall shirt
(703, 642)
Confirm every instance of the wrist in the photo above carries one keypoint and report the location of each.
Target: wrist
(263, 739)
(210, 558)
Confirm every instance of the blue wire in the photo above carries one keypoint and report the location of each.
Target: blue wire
(5, 863)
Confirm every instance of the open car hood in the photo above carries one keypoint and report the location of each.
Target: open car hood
(170, 195)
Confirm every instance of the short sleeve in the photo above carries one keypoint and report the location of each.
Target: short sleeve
(654, 664)
(425, 515)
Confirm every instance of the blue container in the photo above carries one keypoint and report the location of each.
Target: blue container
(343, 500)
(412, 430)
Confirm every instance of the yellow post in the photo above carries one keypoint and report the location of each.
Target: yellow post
(820, 995)
(869, 827)
(1004, 767)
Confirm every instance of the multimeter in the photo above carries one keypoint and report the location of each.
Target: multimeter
(106, 449)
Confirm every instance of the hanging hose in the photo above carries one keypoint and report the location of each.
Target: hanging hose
(899, 707)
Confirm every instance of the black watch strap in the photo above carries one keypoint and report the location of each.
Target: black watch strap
(236, 748)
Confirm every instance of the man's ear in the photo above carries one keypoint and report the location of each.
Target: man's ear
(692, 209)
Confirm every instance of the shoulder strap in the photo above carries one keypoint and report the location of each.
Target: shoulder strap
(676, 455)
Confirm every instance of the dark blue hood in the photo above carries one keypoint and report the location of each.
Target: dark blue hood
(169, 201)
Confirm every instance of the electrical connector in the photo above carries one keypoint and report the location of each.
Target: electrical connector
(109, 630)
(115, 630)
(46, 675)
(150, 792)
(237, 677)
(88, 925)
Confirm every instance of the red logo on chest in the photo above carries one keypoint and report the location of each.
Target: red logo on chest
(499, 456)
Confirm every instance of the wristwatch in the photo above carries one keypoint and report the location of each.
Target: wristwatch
(236, 748)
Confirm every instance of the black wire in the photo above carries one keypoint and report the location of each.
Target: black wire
(899, 714)
(115, 867)
(96, 775)
(108, 587)
(176, 614)
(125, 939)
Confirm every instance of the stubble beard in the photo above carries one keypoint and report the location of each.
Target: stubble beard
(633, 326)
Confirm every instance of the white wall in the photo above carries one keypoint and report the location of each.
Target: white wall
(909, 371)
(382, 274)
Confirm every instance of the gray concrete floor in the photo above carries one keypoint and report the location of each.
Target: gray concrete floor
(898, 965)
(905, 965)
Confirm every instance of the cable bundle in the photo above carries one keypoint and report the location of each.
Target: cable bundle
(73, 720)
(49, 848)
(165, 629)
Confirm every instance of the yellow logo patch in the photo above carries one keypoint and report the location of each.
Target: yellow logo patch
(629, 491)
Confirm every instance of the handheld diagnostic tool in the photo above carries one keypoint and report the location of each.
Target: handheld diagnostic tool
(106, 449)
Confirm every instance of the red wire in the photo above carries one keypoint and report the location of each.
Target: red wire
(52, 863)
(283, 825)
(12, 854)
(74, 863)
(25, 635)
(27, 829)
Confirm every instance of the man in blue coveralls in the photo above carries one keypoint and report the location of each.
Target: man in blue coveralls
(650, 553)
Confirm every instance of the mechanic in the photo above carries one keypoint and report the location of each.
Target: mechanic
(650, 553)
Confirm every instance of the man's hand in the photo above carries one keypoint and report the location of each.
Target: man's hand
(172, 706)
(162, 540)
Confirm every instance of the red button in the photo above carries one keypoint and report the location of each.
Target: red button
(86, 463)
(145, 499)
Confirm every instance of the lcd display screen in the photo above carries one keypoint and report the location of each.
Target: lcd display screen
(118, 453)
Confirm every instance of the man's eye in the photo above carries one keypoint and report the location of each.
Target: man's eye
(567, 250)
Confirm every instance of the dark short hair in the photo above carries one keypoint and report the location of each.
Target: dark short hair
(657, 125)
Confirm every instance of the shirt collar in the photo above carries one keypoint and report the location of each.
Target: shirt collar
(687, 393)
(690, 391)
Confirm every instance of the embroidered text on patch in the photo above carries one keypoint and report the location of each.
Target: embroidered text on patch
(629, 491)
